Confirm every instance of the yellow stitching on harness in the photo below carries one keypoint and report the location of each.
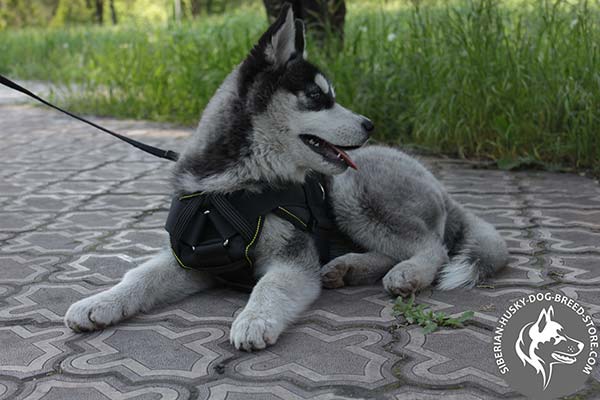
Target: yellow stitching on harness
(253, 239)
(293, 216)
(179, 261)
(188, 196)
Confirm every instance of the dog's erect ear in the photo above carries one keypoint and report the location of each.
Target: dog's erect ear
(544, 318)
(282, 46)
(284, 40)
(300, 38)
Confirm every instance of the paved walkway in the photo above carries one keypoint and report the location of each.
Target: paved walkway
(78, 209)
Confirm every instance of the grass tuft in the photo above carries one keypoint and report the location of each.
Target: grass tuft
(429, 320)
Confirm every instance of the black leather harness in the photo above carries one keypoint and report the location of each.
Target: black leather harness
(218, 233)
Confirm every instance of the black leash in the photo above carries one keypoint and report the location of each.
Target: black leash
(155, 151)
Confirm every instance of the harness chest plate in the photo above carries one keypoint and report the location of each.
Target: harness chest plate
(217, 233)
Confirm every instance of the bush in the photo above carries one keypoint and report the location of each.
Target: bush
(72, 12)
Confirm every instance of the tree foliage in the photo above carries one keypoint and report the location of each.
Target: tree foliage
(58, 13)
(21, 13)
(73, 12)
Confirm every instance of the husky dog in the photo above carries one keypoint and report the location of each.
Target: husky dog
(273, 121)
(543, 343)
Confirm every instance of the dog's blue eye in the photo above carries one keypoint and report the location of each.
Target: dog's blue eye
(315, 94)
(315, 98)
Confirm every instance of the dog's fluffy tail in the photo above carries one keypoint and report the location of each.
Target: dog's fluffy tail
(476, 249)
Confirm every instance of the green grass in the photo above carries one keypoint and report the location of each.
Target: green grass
(429, 320)
(505, 80)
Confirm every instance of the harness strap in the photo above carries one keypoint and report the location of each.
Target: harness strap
(233, 216)
(177, 222)
(155, 151)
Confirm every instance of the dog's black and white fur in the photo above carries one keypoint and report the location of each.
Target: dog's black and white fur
(274, 120)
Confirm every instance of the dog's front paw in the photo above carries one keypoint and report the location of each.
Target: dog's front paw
(94, 313)
(251, 331)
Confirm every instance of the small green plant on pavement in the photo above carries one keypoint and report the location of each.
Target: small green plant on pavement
(429, 320)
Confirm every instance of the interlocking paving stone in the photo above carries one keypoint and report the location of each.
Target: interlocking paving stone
(589, 297)
(8, 387)
(77, 187)
(51, 242)
(449, 358)
(44, 302)
(571, 240)
(488, 201)
(118, 202)
(25, 269)
(545, 182)
(144, 187)
(522, 270)
(314, 356)
(21, 221)
(137, 241)
(151, 219)
(29, 350)
(559, 218)
(87, 220)
(228, 389)
(219, 305)
(505, 218)
(370, 306)
(578, 269)
(45, 203)
(148, 352)
(78, 210)
(98, 269)
(109, 388)
(577, 200)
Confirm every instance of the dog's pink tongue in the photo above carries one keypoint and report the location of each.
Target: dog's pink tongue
(346, 158)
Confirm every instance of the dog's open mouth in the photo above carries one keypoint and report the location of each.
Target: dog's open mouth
(335, 154)
(563, 358)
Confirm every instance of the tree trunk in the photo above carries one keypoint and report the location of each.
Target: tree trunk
(322, 17)
(113, 12)
(177, 6)
(196, 8)
(100, 12)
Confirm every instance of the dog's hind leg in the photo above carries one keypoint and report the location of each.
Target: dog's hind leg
(417, 272)
(356, 269)
(158, 280)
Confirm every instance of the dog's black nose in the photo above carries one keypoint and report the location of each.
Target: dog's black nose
(367, 125)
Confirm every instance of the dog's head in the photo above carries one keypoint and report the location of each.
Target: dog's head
(294, 104)
(544, 343)
(276, 115)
